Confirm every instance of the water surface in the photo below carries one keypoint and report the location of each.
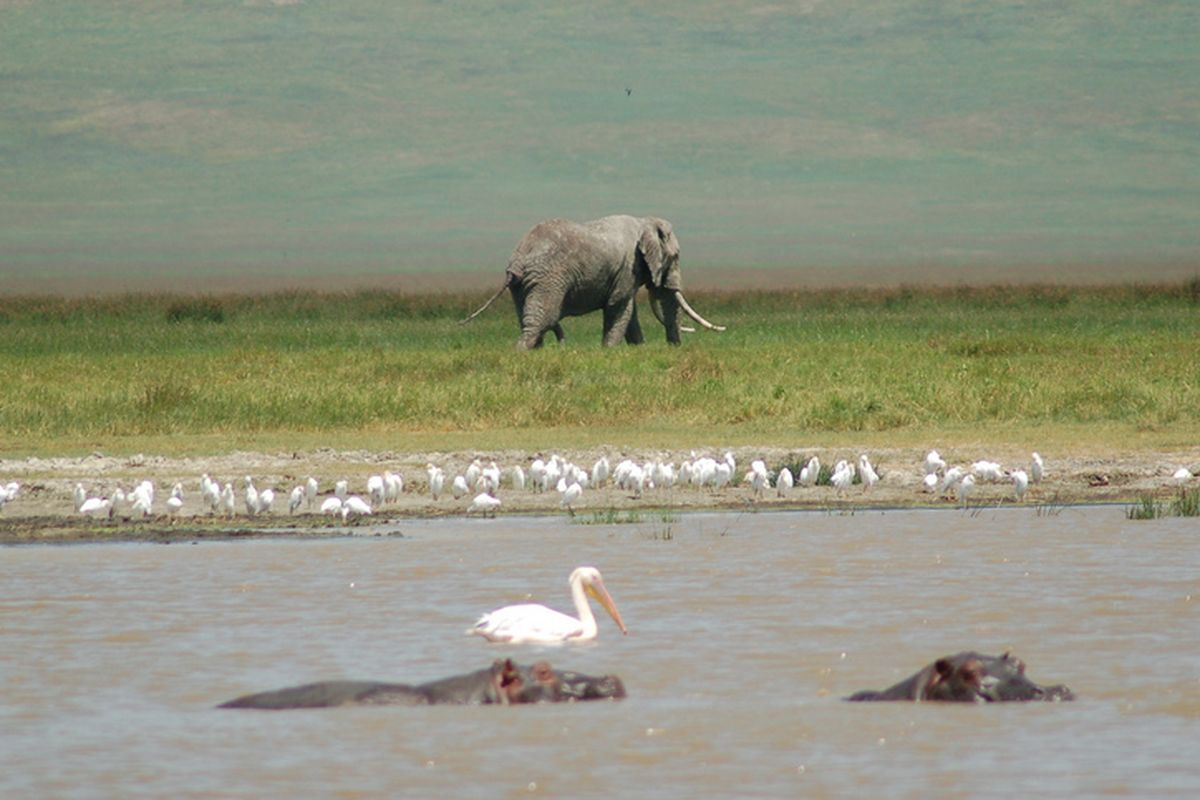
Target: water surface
(744, 632)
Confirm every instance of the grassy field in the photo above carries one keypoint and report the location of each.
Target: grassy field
(1104, 367)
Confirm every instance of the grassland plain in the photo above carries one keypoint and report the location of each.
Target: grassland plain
(1093, 367)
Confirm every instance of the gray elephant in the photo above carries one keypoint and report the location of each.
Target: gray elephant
(565, 269)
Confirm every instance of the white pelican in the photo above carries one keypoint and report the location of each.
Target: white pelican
(531, 622)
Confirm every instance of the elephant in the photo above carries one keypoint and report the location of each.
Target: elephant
(970, 677)
(565, 269)
(503, 683)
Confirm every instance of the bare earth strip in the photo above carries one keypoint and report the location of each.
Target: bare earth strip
(43, 510)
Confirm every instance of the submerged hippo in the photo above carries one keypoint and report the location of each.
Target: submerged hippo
(970, 677)
(503, 683)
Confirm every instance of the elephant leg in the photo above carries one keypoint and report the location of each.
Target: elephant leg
(536, 320)
(616, 322)
(633, 333)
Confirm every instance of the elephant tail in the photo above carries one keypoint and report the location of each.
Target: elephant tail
(491, 300)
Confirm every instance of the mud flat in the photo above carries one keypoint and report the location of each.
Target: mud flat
(44, 512)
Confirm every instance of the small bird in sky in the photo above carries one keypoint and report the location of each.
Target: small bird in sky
(628, 91)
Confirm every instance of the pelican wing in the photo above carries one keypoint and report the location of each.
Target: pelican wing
(527, 622)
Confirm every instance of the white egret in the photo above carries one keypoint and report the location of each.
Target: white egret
(518, 478)
(784, 482)
(868, 474)
(843, 477)
(532, 622)
(1020, 485)
(474, 470)
(811, 472)
(295, 499)
(757, 477)
(570, 495)
(175, 501)
(934, 464)
(600, 471)
(987, 471)
(1037, 468)
(95, 507)
(355, 506)
(341, 489)
(117, 500)
(1182, 475)
(375, 489)
(491, 474)
(210, 493)
(952, 478)
(724, 474)
(485, 504)
(332, 506)
(80, 496)
(228, 500)
(459, 487)
(310, 492)
(393, 486)
(266, 498)
(250, 497)
(964, 488)
(437, 478)
(930, 482)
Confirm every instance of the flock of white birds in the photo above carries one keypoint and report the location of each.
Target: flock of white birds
(480, 485)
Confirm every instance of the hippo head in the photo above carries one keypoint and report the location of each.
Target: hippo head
(970, 677)
(974, 677)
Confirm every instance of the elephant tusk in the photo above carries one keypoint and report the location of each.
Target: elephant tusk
(654, 306)
(692, 313)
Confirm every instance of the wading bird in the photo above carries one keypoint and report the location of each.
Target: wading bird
(532, 622)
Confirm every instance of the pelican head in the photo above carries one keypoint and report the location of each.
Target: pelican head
(588, 578)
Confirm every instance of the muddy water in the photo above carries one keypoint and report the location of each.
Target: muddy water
(744, 632)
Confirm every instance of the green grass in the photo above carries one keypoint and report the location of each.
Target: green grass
(1185, 504)
(381, 369)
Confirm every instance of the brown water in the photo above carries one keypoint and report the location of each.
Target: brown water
(744, 632)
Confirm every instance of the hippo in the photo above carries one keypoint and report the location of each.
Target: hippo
(503, 683)
(970, 677)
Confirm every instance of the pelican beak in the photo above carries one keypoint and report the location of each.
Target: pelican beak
(596, 590)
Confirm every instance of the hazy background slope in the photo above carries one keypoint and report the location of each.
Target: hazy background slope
(203, 145)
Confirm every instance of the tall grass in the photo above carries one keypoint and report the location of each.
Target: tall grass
(795, 362)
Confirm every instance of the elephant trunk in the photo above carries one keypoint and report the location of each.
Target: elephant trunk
(692, 313)
(656, 307)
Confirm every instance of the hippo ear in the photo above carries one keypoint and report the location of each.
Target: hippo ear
(1018, 663)
(942, 671)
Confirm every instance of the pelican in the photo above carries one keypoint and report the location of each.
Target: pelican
(531, 622)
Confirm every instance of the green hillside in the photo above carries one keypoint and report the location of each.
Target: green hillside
(210, 140)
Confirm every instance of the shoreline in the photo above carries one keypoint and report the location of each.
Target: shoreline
(42, 512)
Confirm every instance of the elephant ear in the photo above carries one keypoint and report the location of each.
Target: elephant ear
(659, 248)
